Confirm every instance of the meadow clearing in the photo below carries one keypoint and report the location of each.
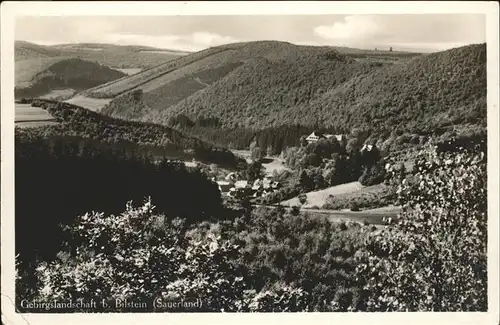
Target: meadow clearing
(318, 198)
(28, 116)
(93, 104)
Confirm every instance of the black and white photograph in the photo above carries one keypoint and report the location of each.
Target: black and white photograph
(179, 161)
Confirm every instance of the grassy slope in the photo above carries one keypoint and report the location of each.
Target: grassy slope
(148, 76)
(93, 104)
(318, 198)
(261, 84)
(25, 112)
(231, 74)
(36, 77)
(344, 196)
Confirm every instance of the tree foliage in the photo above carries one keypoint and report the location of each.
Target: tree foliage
(434, 259)
(142, 256)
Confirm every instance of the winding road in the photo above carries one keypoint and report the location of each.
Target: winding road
(373, 217)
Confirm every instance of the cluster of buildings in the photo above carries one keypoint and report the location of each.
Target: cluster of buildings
(315, 136)
(235, 187)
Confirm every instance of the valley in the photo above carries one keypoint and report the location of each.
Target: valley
(292, 177)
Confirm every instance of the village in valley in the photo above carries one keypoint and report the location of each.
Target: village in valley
(235, 186)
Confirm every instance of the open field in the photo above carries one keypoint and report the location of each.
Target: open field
(165, 52)
(27, 116)
(388, 209)
(106, 54)
(275, 164)
(24, 112)
(318, 198)
(33, 124)
(93, 104)
(59, 93)
(369, 197)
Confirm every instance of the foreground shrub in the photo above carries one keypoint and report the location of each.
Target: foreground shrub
(434, 259)
(140, 257)
(156, 262)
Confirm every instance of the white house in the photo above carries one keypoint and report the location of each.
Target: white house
(257, 185)
(367, 147)
(315, 136)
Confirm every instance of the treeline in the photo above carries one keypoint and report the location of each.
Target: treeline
(272, 140)
(59, 177)
(275, 140)
(160, 140)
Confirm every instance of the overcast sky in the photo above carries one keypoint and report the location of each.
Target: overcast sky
(418, 32)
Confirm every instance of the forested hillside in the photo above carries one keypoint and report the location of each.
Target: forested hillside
(245, 88)
(422, 94)
(237, 67)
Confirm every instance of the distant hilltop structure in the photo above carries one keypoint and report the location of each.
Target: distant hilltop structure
(315, 136)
